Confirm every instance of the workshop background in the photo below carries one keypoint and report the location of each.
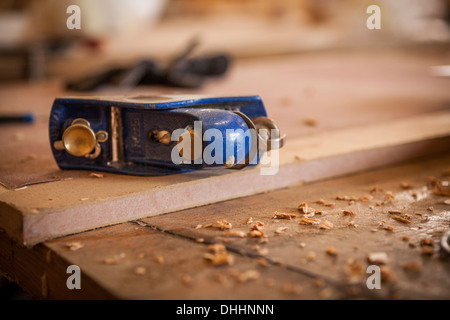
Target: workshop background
(326, 37)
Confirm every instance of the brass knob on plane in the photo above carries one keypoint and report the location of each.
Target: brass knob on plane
(79, 140)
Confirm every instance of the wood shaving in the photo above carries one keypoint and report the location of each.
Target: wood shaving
(330, 204)
(346, 198)
(110, 261)
(427, 251)
(319, 283)
(258, 225)
(377, 258)
(388, 228)
(320, 201)
(159, 259)
(187, 280)
(332, 251)
(447, 201)
(263, 251)
(21, 188)
(73, 246)
(354, 271)
(281, 230)
(405, 238)
(249, 220)
(221, 278)
(309, 221)
(310, 256)
(405, 185)
(302, 244)
(366, 198)
(351, 202)
(326, 225)
(310, 214)
(216, 247)
(310, 122)
(236, 233)
(389, 196)
(291, 288)
(303, 207)
(375, 188)
(430, 208)
(263, 262)
(347, 212)
(395, 211)
(282, 215)
(427, 242)
(140, 256)
(412, 266)
(96, 175)
(386, 274)
(140, 271)
(84, 199)
(199, 226)
(224, 225)
(220, 258)
(441, 191)
(326, 293)
(352, 224)
(200, 240)
(248, 275)
(209, 225)
(256, 233)
(401, 219)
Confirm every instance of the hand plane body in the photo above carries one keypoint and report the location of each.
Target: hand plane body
(159, 135)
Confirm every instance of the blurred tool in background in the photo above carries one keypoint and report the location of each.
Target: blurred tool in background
(183, 72)
(34, 33)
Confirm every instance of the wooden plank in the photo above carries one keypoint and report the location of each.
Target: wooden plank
(303, 248)
(327, 155)
(171, 268)
(169, 247)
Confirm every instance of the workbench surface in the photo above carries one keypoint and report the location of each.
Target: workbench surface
(169, 256)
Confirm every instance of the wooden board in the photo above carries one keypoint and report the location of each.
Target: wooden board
(171, 247)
